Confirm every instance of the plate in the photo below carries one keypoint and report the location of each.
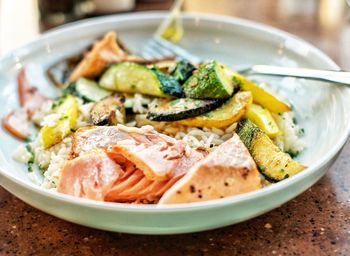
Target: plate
(322, 110)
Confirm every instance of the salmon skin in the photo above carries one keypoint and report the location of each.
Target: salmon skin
(146, 164)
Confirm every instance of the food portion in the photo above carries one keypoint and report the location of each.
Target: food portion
(272, 162)
(229, 170)
(129, 130)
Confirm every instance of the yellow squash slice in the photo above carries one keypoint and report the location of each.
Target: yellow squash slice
(233, 110)
(264, 120)
(260, 96)
(67, 112)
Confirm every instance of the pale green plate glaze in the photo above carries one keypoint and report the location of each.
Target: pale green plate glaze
(322, 110)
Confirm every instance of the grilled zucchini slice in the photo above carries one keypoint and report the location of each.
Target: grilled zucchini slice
(165, 110)
(110, 110)
(271, 161)
(87, 89)
(210, 81)
(128, 77)
(183, 71)
(169, 85)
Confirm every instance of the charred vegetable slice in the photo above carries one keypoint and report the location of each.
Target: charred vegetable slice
(261, 96)
(232, 111)
(130, 77)
(178, 109)
(264, 120)
(210, 81)
(110, 110)
(272, 162)
(169, 84)
(87, 89)
(66, 112)
(183, 71)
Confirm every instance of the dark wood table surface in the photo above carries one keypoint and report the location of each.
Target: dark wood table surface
(315, 223)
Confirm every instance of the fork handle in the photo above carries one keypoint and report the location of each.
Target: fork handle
(340, 77)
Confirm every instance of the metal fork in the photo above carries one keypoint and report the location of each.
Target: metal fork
(160, 48)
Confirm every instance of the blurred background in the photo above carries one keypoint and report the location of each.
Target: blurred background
(324, 23)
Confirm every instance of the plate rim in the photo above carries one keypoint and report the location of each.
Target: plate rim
(233, 21)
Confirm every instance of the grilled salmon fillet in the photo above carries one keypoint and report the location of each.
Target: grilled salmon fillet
(89, 176)
(229, 170)
(104, 52)
(157, 155)
(145, 163)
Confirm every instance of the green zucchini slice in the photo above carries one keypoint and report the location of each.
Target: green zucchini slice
(128, 77)
(210, 81)
(272, 162)
(183, 71)
(110, 110)
(87, 89)
(165, 110)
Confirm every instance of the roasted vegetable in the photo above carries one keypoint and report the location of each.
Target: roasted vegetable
(67, 114)
(264, 120)
(87, 89)
(170, 85)
(232, 111)
(183, 71)
(261, 96)
(210, 81)
(128, 77)
(110, 110)
(272, 162)
(178, 109)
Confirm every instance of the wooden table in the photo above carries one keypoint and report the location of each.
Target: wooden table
(315, 223)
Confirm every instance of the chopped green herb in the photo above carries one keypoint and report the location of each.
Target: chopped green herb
(293, 153)
(63, 118)
(295, 120)
(31, 159)
(301, 132)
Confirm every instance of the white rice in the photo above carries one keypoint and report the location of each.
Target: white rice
(291, 141)
(51, 160)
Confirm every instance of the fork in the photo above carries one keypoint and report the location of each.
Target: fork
(157, 47)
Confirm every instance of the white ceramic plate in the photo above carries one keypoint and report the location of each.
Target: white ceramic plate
(322, 110)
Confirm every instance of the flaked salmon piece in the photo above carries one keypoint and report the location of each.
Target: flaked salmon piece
(157, 155)
(18, 121)
(229, 170)
(137, 188)
(158, 161)
(103, 53)
(88, 138)
(89, 176)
